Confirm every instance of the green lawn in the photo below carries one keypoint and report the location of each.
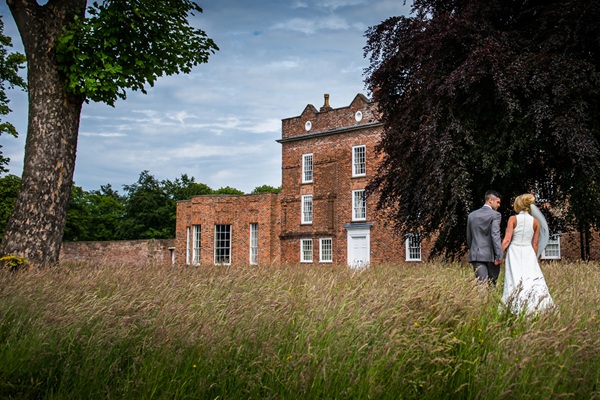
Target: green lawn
(411, 331)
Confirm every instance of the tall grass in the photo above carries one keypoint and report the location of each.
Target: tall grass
(415, 331)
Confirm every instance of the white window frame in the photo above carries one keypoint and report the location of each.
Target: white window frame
(359, 205)
(326, 250)
(222, 244)
(413, 247)
(553, 241)
(359, 167)
(254, 243)
(188, 250)
(306, 250)
(307, 168)
(196, 243)
(307, 209)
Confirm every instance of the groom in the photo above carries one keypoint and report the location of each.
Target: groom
(483, 238)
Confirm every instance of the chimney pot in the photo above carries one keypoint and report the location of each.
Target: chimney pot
(326, 106)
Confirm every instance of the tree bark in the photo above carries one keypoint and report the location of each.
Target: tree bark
(34, 230)
(584, 241)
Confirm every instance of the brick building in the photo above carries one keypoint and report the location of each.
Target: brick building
(321, 215)
(225, 229)
(328, 157)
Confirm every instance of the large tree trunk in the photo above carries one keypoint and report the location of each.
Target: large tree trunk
(34, 230)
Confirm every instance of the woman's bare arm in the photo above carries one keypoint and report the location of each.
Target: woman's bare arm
(536, 235)
(510, 227)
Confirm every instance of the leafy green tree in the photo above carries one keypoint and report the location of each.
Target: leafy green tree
(9, 186)
(185, 188)
(479, 95)
(78, 221)
(148, 210)
(228, 190)
(266, 189)
(107, 208)
(94, 215)
(182, 188)
(10, 63)
(121, 45)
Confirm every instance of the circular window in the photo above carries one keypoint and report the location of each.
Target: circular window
(358, 116)
(308, 125)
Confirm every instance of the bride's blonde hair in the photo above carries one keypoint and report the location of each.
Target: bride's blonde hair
(523, 202)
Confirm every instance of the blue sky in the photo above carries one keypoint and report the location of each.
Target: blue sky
(220, 123)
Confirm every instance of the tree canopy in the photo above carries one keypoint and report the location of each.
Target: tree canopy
(266, 189)
(127, 44)
(9, 186)
(95, 215)
(477, 95)
(74, 57)
(228, 190)
(10, 64)
(147, 209)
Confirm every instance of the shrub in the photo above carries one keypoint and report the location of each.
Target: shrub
(13, 263)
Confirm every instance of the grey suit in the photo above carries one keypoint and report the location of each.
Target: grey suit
(485, 244)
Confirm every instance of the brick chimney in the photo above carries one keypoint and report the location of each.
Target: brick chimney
(326, 106)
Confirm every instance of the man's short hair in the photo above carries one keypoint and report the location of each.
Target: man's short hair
(491, 193)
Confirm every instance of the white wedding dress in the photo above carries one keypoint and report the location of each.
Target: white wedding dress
(525, 288)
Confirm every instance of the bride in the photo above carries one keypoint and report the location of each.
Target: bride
(525, 288)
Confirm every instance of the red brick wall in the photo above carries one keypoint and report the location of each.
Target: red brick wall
(237, 211)
(330, 140)
(134, 252)
(328, 118)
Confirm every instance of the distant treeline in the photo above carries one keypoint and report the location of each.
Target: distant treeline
(146, 210)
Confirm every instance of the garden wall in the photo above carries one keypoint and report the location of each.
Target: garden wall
(134, 252)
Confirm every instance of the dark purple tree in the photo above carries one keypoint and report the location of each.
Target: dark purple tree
(479, 95)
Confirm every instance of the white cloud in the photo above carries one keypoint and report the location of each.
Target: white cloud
(299, 25)
(299, 4)
(102, 134)
(181, 116)
(221, 122)
(335, 4)
(284, 65)
(334, 23)
(200, 151)
(269, 125)
(312, 26)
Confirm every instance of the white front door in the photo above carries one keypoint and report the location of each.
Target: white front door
(359, 253)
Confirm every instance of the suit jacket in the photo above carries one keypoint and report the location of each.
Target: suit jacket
(483, 235)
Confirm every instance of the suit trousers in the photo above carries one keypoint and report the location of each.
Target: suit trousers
(486, 271)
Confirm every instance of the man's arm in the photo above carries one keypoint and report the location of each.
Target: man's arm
(496, 238)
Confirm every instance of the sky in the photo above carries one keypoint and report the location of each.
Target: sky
(219, 124)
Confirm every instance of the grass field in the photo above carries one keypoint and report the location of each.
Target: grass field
(413, 331)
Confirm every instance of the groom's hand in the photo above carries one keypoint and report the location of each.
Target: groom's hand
(498, 262)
